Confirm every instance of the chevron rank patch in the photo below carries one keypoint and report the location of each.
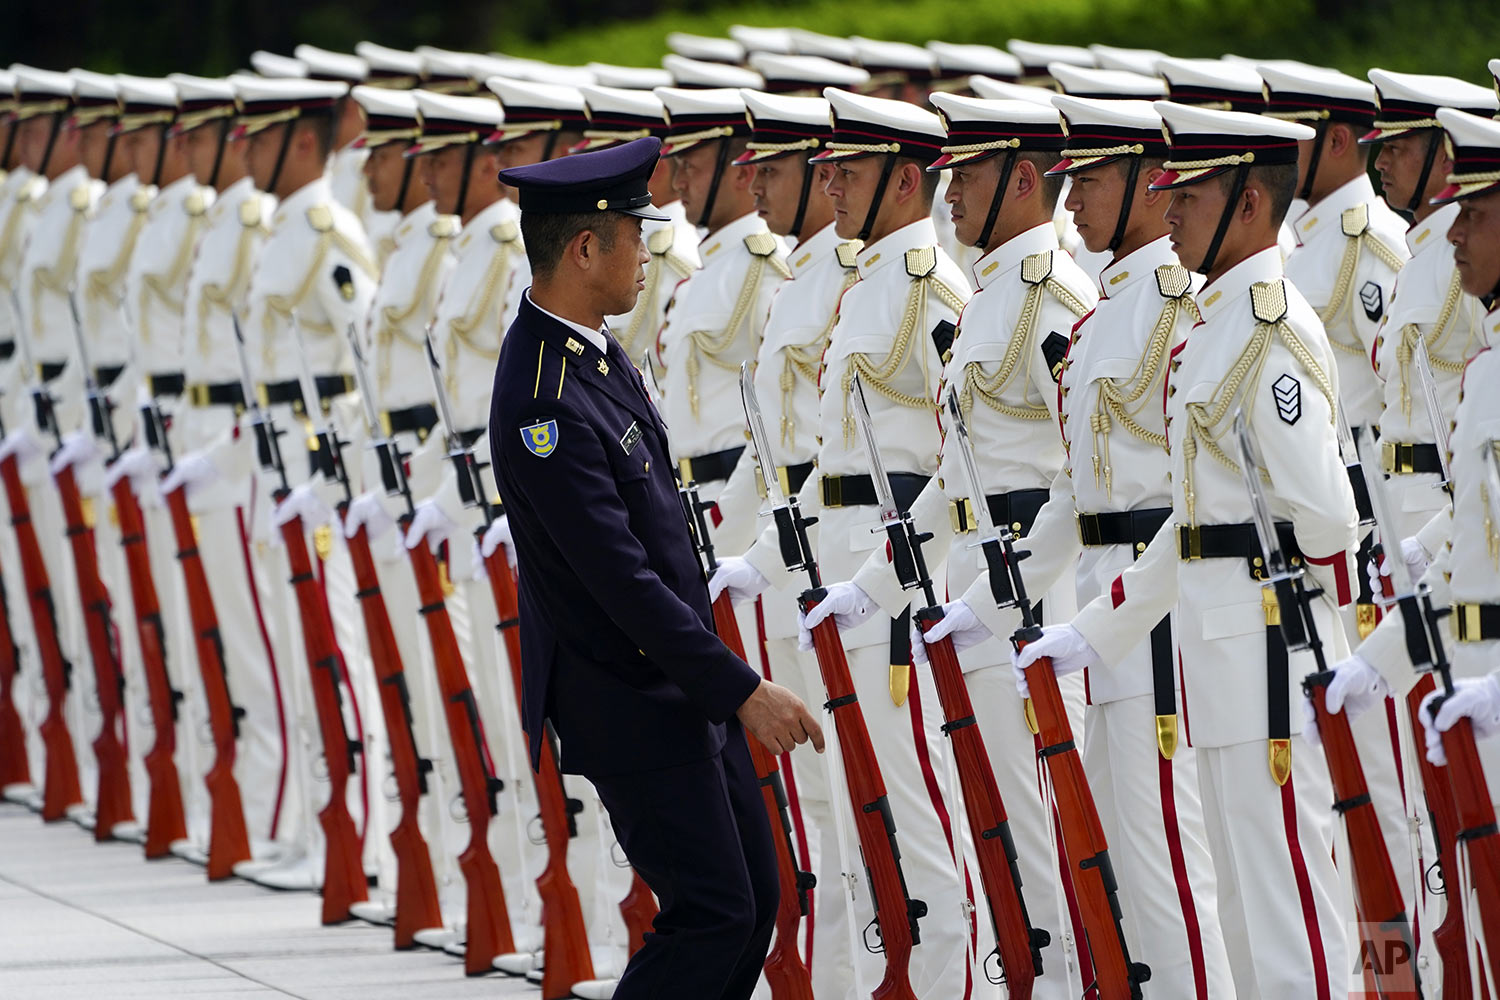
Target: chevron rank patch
(942, 339)
(1288, 393)
(540, 439)
(1055, 350)
(1372, 297)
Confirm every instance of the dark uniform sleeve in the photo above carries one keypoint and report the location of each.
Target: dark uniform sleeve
(585, 517)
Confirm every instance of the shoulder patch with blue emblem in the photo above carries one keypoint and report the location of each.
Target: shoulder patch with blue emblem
(540, 439)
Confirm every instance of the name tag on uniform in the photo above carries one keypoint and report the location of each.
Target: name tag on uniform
(632, 437)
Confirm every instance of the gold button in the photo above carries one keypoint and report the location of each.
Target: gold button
(1140, 546)
(1171, 390)
(1256, 561)
(940, 482)
(648, 466)
(1015, 526)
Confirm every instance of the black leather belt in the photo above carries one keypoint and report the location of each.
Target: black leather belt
(1135, 528)
(418, 420)
(1015, 510)
(107, 375)
(7, 348)
(791, 478)
(711, 468)
(859, 491)
(216, 394)
(49, 370)
(1476, 622)
(1401, 459)
(290, 391)
(167, 383)
(1234, 541)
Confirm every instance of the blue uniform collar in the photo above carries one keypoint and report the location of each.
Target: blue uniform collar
(609, 369)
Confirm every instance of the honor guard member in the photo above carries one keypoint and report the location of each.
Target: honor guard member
(287, 127)
(1035, 57)
(1428, 301)
(1260, 351)
(1473, 557)
(894, 324)
(1004, 363)
(445, 72)
(617, 117)
(790, 197)
(694, 74)
(717, 317)
(705, 48)
(956, 63)
(392, 69)
(1110, 499)
(805, 76)
(215, 463)
(898, 70)
(616, 625)
(394, 344)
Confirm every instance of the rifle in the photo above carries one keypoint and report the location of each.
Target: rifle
(1085, 847)
(417, 905)
(344, 880)
(786, 973)
(165, 822)
(15, 768)
(489, 933)
(1377, 894)
(112, 805)
(897, 915)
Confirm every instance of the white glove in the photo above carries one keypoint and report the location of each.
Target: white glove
(735, 574)
(918, 644)
(1355, 687)
(848, 605)
(962, 625)
(496, 535)
(139, 466)
(366, 511)
(22, 444)
(1069, 650)
(77, 448)
(1412, 554)
(305, 503)
(432, 523)
(1476, 699)
(194, 471)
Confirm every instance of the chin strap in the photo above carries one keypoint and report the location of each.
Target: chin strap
(463, 184)
(1421, 188)
(286, 143)
(807, 178)
(1237, 189)
(161, 154)
(408, 162)
(1312, 164)
(713, 185)
(57, 120)
(1132, 177)
(870, 216)
(550, 146)
(996, 201)
(109, 156)
(10, 144)
(213, 176)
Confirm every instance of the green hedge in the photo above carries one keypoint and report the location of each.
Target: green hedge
(1438, 36)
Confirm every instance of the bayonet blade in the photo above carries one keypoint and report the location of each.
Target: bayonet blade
(1385, 523)
(362, 382)
(765, 461)
(440, 392)
(883, 496)
(1265, 527)
(980, 507)
(1422, 365)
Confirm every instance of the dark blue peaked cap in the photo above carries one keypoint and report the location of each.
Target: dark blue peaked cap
(611, 180)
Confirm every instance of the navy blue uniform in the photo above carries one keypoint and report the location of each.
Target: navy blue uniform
(618, 652)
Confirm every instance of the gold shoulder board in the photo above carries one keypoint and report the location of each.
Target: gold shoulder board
(921, 261)
(761, 244)
(1268, 301)
(78, 198)
(320, 217)
(195, 204)
(250, 212)
(1173, 281)
(505, 232)
(444, 227)
(660, 241)
(1355, 220)
(1036, 268)
(848, 254)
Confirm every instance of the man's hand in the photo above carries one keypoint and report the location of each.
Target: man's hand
(735, 574)
(777, 718)
(1064, 644)
(1474, 698)
(1379, 571)
(846, 603)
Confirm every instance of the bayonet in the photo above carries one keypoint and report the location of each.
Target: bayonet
(465, 465)
(791, 526)
(1441, 431)
(267, 437)
(100, 408)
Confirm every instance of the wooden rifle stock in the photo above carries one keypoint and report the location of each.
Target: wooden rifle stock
(1018, 944)
(785, 971)
(1377, 894)
(344, 881)
(565, 940)
(639, 910)
(1479, 838)
(489, 932)
(164, 817)
(113, 803)
(15, 768)
(896, 913)
(417, 906)
(1084, 844)
(228, 843)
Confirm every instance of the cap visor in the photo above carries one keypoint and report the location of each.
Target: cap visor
(649, 213)
(1183, 178)
(840, 154)
(1457, 192)
(1078, 164)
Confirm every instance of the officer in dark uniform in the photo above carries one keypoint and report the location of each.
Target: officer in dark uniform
(618, 649)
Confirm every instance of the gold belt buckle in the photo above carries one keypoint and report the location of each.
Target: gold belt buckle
(960, 516)
(1089, 531)
(1270, 605)
(833, 491)
(784, 479)
(1189, 542)
(385, 423)
(1466, 622)
(685, 470)
(197, 395)
(760, 482)
(1398, 458)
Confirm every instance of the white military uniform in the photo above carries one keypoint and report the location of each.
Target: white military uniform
(906, 288)
(1011, 340)
(1111, 388)
(674, 257)
(1271, 843)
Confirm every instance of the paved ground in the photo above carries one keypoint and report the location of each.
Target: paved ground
(97, 921)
